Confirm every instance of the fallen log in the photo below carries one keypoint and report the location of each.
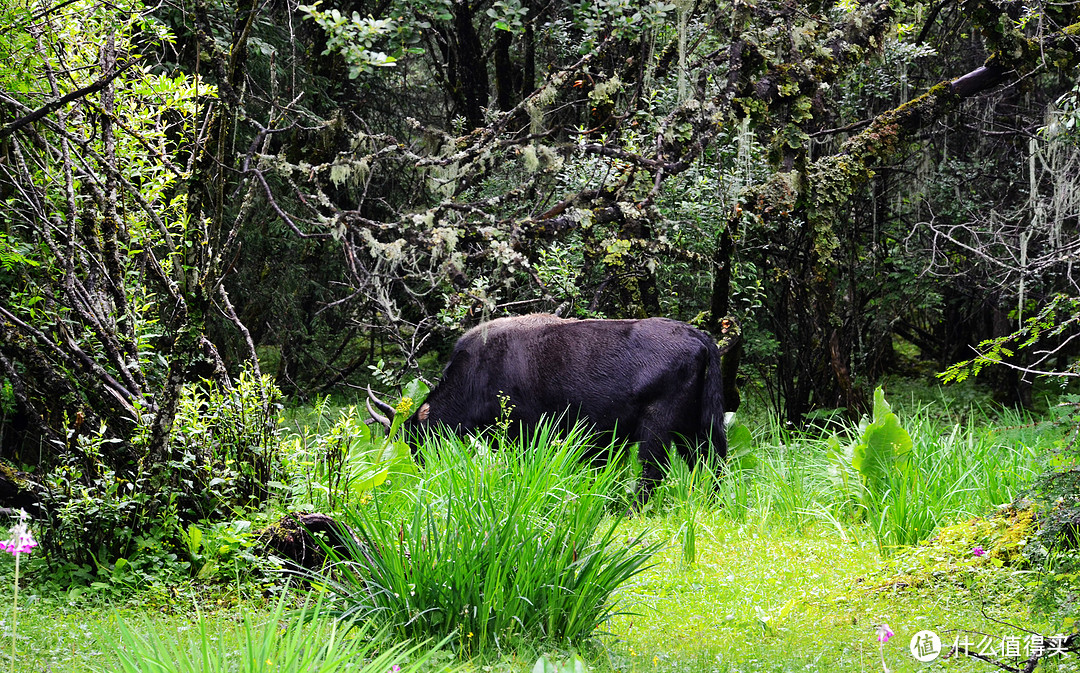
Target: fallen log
(293, 539)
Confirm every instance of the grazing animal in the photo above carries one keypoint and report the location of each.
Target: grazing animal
(652, 382)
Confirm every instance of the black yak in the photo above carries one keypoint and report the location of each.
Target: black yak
(652, 382)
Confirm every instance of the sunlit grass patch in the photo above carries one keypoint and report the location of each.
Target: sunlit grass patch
(254, 636)
(753, 591)
(960, 465)
(61, 638)
(279, 642)
(786, 599)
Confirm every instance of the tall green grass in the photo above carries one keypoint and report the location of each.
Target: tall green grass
(962, 465)
(489, 546)
(302, 645)
(961, 470)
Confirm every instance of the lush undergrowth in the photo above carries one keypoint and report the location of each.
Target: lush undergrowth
(775, 563)
(756, 598)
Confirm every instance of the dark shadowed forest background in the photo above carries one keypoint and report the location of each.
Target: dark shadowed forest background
(264, 201)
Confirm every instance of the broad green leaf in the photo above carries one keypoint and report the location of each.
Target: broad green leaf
(194, 539)
(542, 665)
(884, 448)
(418, 391)
(840, 468)
(373, 481)
(740, 447)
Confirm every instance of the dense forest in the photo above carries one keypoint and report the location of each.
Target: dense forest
(264, 201)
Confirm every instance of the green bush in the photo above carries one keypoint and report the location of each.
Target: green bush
(490, 546)
(226, 448)
(117, 529)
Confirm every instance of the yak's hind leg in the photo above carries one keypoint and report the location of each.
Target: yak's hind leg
(653, 456)
(657, 431)
(653, 437)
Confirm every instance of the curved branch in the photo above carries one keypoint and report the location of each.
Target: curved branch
(58, 103)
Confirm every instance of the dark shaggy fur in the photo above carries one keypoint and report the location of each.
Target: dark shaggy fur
(652, 382)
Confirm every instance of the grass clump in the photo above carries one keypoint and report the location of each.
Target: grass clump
(957, 472)
(489, 547)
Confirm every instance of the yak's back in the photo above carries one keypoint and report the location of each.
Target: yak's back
(544, 363)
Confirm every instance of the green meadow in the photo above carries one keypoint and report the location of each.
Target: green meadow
(516, 555)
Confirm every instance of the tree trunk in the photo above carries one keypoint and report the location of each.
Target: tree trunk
(471, 67)
(504, 72)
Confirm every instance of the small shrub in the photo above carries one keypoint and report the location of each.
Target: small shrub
(1056, 548)
(221, 550)
(1000, 539)
(118, 529)
(227, 451)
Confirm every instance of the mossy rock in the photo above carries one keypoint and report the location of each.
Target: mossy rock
(1002, 536)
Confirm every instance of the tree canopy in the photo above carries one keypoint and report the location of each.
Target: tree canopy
(190, 190)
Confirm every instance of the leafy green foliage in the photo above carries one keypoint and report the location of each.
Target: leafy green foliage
(221, 550)
(489, 546)
(105, 272)
(345, 460)
(740, 445)
(881, 453)
(227, 449)
(116, 530)
(546, 664)
(1065, 124)
(625, 18)
(354, 38)
(1055, 549)
(508, 16)
(906, 485)
(1058, 318)
(883, 447)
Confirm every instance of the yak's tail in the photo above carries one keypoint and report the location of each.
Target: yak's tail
(712, 398)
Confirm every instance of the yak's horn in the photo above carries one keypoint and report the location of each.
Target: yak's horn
(387, 409)
(384, 420)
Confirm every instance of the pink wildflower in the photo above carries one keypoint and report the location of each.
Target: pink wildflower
(978, 551)
(20, 540)
(884, 633)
